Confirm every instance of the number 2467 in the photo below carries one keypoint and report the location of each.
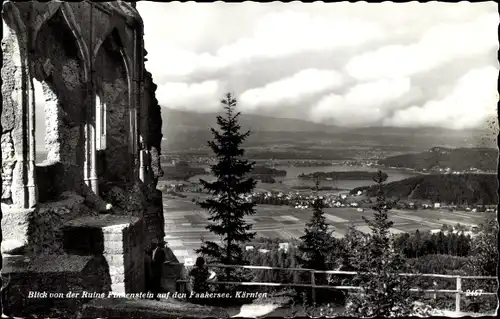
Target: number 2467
(477, 292)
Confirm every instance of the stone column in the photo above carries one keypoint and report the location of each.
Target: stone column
(86, 162)
(31, 188)
(90, 123)
(18, 114)
(90, 173)
(141, 131)
(134, 106)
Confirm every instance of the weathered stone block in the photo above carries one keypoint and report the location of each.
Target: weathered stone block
(13, 247)
(52, 277)
(15, 227)
(117, 239)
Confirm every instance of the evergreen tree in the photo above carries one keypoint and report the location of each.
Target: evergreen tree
(484, 249)
(418, 243)
(318, 244)
(226, 206)
(383, 292)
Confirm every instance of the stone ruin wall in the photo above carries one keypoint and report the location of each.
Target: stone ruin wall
(89, 59)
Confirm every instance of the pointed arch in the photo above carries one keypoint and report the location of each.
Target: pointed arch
(70, 20)
(50, 9)
(112, 75)
(117, 34)
(12, 18)
(61, 64)
(132, 11)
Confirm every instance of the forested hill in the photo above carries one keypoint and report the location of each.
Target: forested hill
(443, 188)
(457, 159)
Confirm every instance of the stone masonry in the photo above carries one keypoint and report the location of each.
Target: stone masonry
(118, 239)
(93, 204)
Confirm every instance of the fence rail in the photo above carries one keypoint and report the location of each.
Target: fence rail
(458, 291)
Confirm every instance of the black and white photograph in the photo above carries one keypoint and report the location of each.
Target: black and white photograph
(249, 160)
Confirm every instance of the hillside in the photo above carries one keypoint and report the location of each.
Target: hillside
(190, 131)
(443, 188)
(458, 159)
(191, 121)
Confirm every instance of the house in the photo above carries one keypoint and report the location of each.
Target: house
(188, 262)
(283, 247)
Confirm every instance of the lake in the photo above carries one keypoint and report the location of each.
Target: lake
(291, 179)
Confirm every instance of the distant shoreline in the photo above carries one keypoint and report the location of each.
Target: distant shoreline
(336, 175)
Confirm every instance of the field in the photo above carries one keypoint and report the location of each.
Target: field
(185, 223)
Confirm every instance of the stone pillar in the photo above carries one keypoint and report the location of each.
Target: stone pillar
(18, 114)
(86, 162)
(143, 107)
(31, 188)
(90, 123)
(90, 170)
(142, 168)
(135, 103)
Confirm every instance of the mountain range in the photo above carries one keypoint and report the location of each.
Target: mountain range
(188, 130)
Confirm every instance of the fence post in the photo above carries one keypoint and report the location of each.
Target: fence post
(434, 295)
(459, 292)
(313, 289)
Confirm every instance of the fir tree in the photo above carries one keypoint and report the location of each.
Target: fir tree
(317, 244)
(484, 249)
(383, 292)
(227, 206)
(418, 243)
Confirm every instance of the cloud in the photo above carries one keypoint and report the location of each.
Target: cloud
(362, 104)
(388, 58)
(275, 35)
(291, 90)
(191, 96)
(438, 45)
(469, 105)
(289, 32)
(379, 93)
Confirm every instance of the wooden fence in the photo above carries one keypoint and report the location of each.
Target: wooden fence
(457, 291)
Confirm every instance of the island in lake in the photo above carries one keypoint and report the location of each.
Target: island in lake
(266, 174)
(350, 175)
(181, 170)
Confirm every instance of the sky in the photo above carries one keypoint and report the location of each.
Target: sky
(348, 64)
